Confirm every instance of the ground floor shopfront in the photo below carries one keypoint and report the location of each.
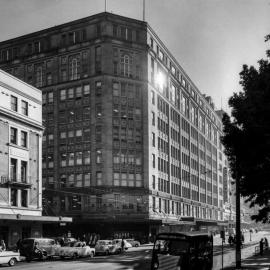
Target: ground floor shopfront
(16, 226)
(142, 230)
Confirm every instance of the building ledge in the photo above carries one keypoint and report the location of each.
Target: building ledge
(45, 219)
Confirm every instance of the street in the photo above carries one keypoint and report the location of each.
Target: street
(140, 258)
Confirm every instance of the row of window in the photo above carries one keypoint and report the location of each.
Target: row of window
(14, 105)
(18, 137)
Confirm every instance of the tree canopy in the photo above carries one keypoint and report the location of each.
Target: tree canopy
(247, 136)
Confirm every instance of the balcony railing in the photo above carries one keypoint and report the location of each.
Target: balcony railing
(15, 182)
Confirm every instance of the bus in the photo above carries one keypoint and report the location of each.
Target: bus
(183, 251)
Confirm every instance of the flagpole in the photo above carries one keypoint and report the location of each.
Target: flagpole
(143, 10)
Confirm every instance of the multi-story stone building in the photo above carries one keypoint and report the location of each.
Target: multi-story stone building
(130, 142)
(20, 160)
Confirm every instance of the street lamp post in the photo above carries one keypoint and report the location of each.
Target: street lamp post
(238, 225)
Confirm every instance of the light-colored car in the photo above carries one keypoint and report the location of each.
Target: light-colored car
(9, 257)
(133, 242)
(75, 250)
(117, 246)
(103, 247)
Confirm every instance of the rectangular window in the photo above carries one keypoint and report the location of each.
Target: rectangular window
(24, 198)
(13, 197)
(153, 139)
(13, 169)
(49, 78)
(62, 94)
(24, 107)
(86, 90)
(153, 118)
(23, 139)
(50, 97)
(153, 161)
(13, 135)
(14, 103)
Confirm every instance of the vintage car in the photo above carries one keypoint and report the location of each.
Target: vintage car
(48, 248)
(116, 247)
(133, 242)
(75, 250)
(103, 247)
(9, 257)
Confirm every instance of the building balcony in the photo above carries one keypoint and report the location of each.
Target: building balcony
(6, 181)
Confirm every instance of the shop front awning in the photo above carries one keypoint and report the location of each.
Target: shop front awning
(43, 219)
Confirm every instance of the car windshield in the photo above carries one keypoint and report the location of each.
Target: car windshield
(171, 246)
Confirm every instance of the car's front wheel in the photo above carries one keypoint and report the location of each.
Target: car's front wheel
(74, 256)
(92, 254)
(12, 262)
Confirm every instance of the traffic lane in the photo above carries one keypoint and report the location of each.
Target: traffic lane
(135, 258)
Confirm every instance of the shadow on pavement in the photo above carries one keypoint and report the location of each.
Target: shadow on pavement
(254, 262)
(137, 260)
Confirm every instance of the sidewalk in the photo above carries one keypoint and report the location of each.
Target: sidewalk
(254, 262)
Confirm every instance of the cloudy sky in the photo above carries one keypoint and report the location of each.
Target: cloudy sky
(211, 39)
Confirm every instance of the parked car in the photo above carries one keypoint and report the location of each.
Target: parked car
(75, 250)
(133, 242)
(46, 246)
(103, 247)
(118, 246)
(63, 240)
(9, 257)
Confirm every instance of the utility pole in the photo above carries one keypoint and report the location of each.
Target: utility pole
(238, 224)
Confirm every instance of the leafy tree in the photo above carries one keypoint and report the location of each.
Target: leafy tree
(247, 136)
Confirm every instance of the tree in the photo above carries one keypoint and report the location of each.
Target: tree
(247, 136)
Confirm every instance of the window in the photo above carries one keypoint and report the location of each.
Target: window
(24, 107)
(24, 198)
(70, 93)
(73, 69)
(153, 161)
(23, 138)
(63, 75)
(153, 139)
(49, 78)
(98, 59)
(125, 66)
(50, 97)
(13, 197)
(78, 158)
(153, 97)
(62, 94)
(86, 157)
(99, 178)
(115, 89)
(14, 103)
(37, 47)
(39, 76)
(86, 90)
(153, 118)
(87, 179)
(13, 135)
(13, 169)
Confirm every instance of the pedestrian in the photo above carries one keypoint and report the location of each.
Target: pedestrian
(18, 244)
(266, 243)
(123, 245)
(261, 246)
(3, 245)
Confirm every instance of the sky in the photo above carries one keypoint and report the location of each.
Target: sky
(211, 39)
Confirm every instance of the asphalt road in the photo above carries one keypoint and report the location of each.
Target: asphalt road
(137, 258)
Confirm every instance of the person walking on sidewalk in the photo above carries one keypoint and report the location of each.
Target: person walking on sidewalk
(266, 243)
(261, 246)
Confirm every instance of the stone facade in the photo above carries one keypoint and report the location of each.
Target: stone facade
(128, 135)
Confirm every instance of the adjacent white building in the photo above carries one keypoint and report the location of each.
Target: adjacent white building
(20, 160)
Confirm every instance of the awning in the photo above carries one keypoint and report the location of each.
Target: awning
(45, 219)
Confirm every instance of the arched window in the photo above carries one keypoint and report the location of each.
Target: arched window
(39, 77)
(125, 66)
